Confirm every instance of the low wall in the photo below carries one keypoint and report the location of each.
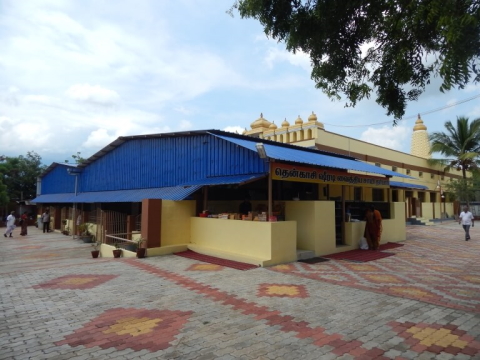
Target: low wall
(254, 242)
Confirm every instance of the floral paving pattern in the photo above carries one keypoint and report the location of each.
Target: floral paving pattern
(436, 338)
(418, 337)
(136, 329)
(282, 290)
(205, 267)
(418, 270)
(76, 282)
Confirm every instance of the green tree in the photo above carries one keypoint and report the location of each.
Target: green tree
(463, 189)
(460, 147)
(391, 46)
(4, 199)
(77, 158)
(19, 175)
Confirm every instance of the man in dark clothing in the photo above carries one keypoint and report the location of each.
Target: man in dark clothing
(245, 207)
(46, 221)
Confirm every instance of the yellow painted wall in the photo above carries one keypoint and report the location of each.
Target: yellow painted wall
(175, 229)
(449, 209)
(335, 191)
(106, 251)
(394, 229)
(253, 242)
(315, 225)
(427, 211)
(367, 194)
(283, 243)
(353, 232)
(440, 209)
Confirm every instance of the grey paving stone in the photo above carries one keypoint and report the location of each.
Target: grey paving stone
(37, 318)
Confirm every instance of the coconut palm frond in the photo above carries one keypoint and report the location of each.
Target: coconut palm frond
(460, 145)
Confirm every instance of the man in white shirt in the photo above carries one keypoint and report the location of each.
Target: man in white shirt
(10, 224)
(466, 219)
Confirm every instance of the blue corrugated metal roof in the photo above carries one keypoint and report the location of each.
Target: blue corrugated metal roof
(136, 195)
(53, 198)
(312, 158)
(407, 185)
(225, 180)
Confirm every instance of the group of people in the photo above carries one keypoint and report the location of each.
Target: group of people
(23, 222)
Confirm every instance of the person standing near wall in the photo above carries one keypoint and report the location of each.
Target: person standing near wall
(466, 219)
(10, 224)
(46, 221)
(373, 227)
(79, 221)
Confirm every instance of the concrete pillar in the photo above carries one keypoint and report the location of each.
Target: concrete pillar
(151, 222)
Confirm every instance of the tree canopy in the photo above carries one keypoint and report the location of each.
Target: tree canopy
(19, 175)
(393, 47)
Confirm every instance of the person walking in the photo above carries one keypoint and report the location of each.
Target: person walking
(46, 221)
(466, 219)
(10, 224)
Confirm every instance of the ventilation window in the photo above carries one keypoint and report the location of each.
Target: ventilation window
(394, 168)
(420, 174)
(408, 171)
(432, 176)
(378, 164)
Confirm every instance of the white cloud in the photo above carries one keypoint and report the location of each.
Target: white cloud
(95, 94)
(300, 58)
(77, 75)
(98, 139)
(392, 137)
(40, 99)
(185, 125)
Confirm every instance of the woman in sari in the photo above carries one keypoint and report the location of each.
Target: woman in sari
(373, 227)
(23, 222)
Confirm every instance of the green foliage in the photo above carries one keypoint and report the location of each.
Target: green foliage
(139, 242)
(391, 46)
(460, 145)
(77, 158)
(462, 189)
(83, 229)
(19, 175)
(4, 199)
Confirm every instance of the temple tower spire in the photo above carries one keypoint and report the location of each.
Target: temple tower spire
(420, 145)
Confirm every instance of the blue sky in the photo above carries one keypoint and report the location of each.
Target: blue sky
(75, 75)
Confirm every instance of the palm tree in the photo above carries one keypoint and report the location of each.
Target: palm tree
(460, 146)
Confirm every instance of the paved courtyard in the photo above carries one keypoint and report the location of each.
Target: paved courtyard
(59, 303)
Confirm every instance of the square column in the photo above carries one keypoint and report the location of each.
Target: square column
(151, 222)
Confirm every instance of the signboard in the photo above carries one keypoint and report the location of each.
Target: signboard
(303, 174)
